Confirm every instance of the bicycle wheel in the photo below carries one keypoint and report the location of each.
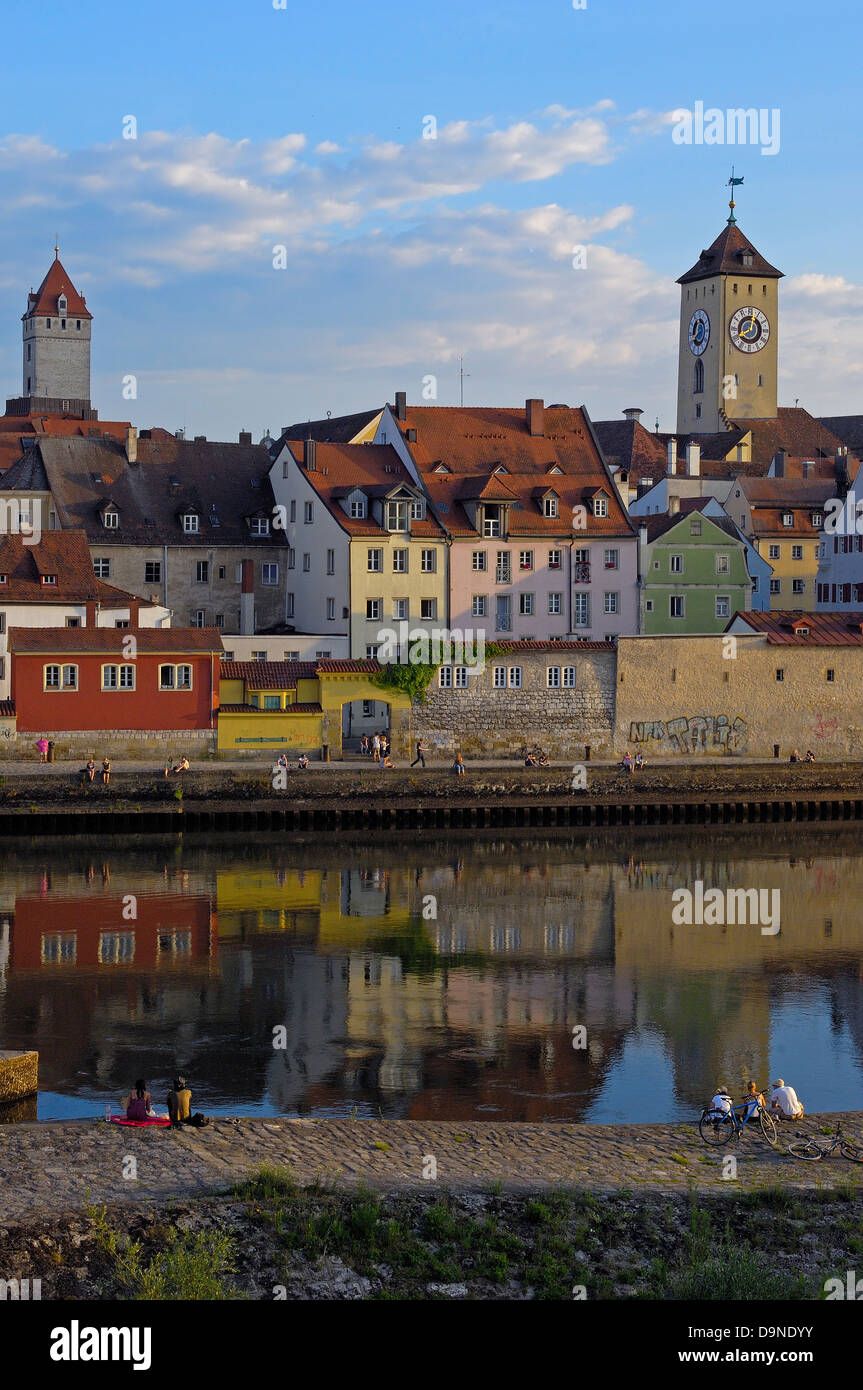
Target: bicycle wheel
(717, 1128)
(808, 1150)
(768, 1128)
(852, 1151)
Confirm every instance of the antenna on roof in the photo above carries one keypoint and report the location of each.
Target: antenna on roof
(56, 247)
(461, 376)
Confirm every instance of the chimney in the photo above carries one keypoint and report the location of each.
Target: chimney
(840, 466)
(309, 455)
(642, 535)
(693, 460)
(632, 412)
(779, 463)
(245, 436)
(134, 613)
(200, 439)
(401, 405)
(672, 457)
(534, 411)
(132, 444)
(247, 599)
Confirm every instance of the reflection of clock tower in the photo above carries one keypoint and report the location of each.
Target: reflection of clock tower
(728, 336)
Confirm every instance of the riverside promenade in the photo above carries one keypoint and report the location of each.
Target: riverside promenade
(53, 1169)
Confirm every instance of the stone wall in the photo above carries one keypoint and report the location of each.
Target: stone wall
(135, 744)
(722, 697)
(486, 721)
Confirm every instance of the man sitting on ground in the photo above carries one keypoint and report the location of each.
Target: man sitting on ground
(302, 761)
(721, 1101)
(784, 1102)
(179, 1102)
(181, 766)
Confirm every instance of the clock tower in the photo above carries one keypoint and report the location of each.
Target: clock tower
(728, 352)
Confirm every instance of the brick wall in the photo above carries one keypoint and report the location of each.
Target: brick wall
(486, 721)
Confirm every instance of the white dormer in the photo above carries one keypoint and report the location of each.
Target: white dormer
(356, 504)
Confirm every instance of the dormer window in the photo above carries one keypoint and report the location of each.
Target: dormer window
(600, 506)
(358, 508)
(491, 519)
(787, 518)
(549, 506)
(397, 516)
(110, 519)
(746, 258)
(817, 519)
(61, 304)
(4, 579)
(49, 579)
(191, 524)
(260, 525)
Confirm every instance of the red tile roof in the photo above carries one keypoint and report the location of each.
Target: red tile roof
(572, 646)
(725, 257)
(348, 668)
(268, 675)
(375, 468)
(151, 641)
(57, 282)
(65, 554)
(825, 629)
(253, 709)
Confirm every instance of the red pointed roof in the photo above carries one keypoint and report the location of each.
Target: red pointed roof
(57, 282)
(725, 257)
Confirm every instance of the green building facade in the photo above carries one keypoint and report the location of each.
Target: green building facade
(693, 574)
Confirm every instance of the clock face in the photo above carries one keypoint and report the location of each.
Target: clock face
(699, 332)
(749, 329)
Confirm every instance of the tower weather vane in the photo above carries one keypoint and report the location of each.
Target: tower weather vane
(732, 184)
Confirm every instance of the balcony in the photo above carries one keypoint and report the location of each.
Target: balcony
(503, 574)
(582, 572)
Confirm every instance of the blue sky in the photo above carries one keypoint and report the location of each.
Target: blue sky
(302, 127)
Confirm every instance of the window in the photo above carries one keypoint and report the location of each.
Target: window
(479, 606)
(600, 506)
(292, 558)
(525, 605)
(552, 677)
(428, 608)
(397, 516)
(400, 562)
(374, 608)
(831, 674)
(514, 677)
(358, 508)
(611, 603)
(554, 559)
(648, 606)
(220, 620)
(776, 586)
(499, 677)
(722, 564)
(308, 513)
(797, 552)
(152, 571)
(445, 677)
(292, 656)
(723, 607)
(290, 606)
(560, 676)
(272, 702)
(184, 678)
(461, 677)
(611, 559)
(110, 520)
(555, 603)
(400, 608)
(102, 569)
(798, 586)
(331, 562)
(269, 574)
(167, 678)
(199, 618)
(491, 520)
(677, 606)
(375, 561)
(307, 562)
(428, 561)
(202, 572)
(480, 560)
(418, 509)
(549, 506)
(698, 383)
(371, 653)
(49, 579)
(780, 673)
(116, 947)
(525, 559)
(118, 677)
(368, 709)
(817, 519)
(774, 552)
(582, 610)
(695, 526)
(293, 512)
(260, 525)
(675, 564)
(503, 569)
(3, 622)
(787, 518)
(190, 523)
(61, 677)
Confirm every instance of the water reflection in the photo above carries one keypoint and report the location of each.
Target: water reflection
(440, 980)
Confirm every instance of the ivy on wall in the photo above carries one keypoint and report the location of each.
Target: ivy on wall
(414, 679)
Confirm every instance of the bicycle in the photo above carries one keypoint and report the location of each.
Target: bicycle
(722, 1127)
(812, 1152)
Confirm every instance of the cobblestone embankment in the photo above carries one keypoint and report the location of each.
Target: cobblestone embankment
(56, 1168)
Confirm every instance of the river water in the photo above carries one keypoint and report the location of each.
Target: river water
(533, 978)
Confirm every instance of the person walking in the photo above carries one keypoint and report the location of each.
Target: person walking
(421, 752)
(376, 748)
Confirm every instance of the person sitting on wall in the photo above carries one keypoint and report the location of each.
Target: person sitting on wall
(458, 766)
(302, 762)
(639, 761)
(810, 756)
(181, 766)
(106, 770)
(626, 763)
(530, 761)
(795, 756)
(387, 762)
(543, 760)
(90, 770)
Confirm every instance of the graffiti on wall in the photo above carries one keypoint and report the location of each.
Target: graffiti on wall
(826, 728)
(701, 733)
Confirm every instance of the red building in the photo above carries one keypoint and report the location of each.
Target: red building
(115, 678)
